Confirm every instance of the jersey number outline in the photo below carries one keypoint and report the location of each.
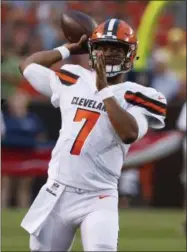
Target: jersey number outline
(91, 119)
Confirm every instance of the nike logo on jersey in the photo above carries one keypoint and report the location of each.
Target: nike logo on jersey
(103, 196)
(88, 103)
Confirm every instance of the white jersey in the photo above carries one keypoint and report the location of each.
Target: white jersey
(89, 154)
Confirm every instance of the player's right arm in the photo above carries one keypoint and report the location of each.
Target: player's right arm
(48, 58)
(35, 68)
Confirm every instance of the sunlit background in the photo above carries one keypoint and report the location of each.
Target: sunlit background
(152, 190)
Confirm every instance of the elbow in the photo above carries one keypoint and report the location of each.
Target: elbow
(24, 63)
(131, 134)
(22, 67)
(130, 138)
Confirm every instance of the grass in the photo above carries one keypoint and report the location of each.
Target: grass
(140, 230)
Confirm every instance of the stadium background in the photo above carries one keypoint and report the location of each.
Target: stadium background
(151, 219)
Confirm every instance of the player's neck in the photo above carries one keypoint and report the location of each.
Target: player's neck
(116, 79)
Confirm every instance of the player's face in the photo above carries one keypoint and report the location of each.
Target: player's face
(113, 53)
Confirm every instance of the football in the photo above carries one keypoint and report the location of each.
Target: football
(75, 24)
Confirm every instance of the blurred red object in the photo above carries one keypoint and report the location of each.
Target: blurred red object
(166, 21)
(161, 38)
(25, 162)
(75, 5)
(26, 87)
(4, 10)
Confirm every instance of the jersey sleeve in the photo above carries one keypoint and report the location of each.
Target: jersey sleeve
(151, 104)
(49, 82)
(65, 77)
(39, 78)
(45, 81)
(73, 69)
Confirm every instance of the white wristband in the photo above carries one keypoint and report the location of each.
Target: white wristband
(64, 51)
(105, 93)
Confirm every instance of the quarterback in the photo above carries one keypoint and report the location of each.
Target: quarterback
(101, 117)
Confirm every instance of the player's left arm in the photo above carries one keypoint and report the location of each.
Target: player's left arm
(125, 125)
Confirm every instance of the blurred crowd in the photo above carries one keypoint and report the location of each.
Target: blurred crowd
(31, 26)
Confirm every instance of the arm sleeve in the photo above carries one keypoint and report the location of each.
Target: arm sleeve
(152, 105)
(44, 81)
(39, 78)
(148, 110)
(155, 110)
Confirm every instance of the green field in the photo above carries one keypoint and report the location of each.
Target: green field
(140, 230)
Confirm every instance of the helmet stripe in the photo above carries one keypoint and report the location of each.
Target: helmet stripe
(111, 27)
(111, 24)
(106, 26)
(115, 28)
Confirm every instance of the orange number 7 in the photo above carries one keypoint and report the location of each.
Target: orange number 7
(91, 119)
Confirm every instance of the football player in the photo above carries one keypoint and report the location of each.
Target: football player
(101, 117)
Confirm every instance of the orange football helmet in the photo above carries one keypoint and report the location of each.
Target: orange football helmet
(114, 31)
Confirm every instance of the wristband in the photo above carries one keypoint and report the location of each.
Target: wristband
(64, 51)
(105, 93)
